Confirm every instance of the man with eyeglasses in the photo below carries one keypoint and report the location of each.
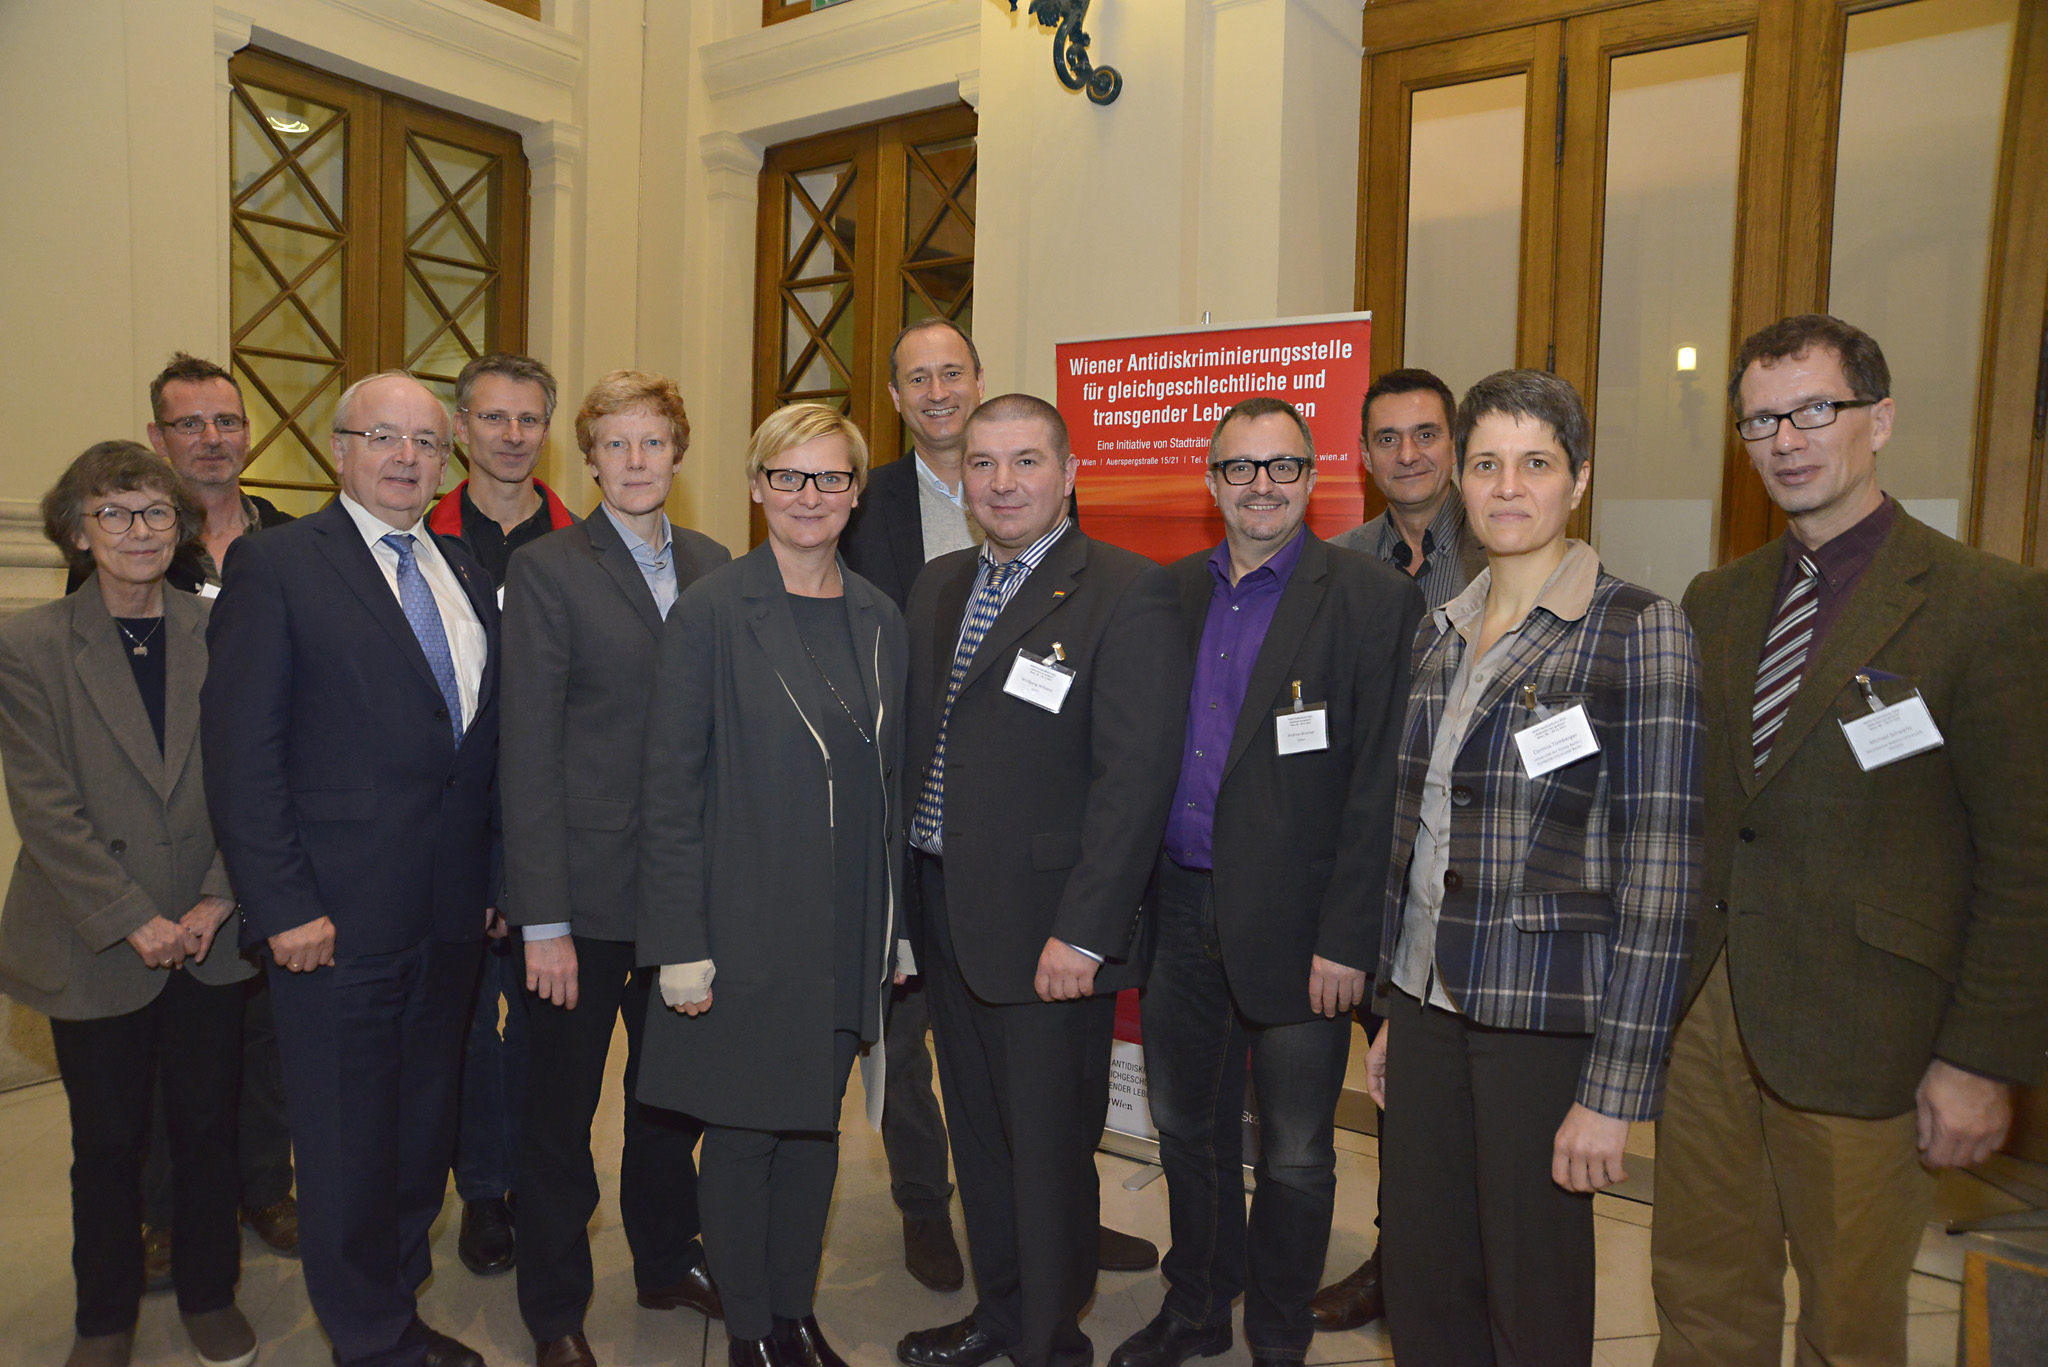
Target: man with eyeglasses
(503, 404)
(1268, 890)
(350, 726)
(1870, 980)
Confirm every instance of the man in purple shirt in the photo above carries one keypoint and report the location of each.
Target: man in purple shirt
(1268, 894)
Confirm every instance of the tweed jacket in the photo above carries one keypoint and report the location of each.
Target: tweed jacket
(1874, 921)
(1570, 899)
(113, 831)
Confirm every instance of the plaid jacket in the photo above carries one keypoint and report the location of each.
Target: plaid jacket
(1571, 899)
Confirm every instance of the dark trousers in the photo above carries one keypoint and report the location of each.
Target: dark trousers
(494, 1071)
(566, 1052)
(1487, 1260)
(191, 1036)
(913, 1127)
(372, 1049)
(766, 1195)
(1027, 1090)
(263, 1139)
(1196, 1041)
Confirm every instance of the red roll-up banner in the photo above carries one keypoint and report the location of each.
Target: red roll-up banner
(1140, 410)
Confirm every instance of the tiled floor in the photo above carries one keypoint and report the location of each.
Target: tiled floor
(865, 1299)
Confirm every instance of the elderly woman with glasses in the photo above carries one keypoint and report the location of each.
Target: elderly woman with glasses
(769, 848)
(119, 924)
(1540, 904)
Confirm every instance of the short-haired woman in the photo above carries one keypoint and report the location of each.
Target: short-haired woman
(119, 924)
(1544, 887)
(769, 850)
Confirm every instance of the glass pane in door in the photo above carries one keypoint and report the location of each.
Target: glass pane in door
(1464, 228)
(1916, 180)
(1674, 142)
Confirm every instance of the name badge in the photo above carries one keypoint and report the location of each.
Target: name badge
(1556, 741)
(209, 590)
(1891, 733)
(1301, 727)
(1042, 683)
(501, 597)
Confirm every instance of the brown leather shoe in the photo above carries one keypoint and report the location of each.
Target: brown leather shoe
(156, 1259)
(102, 1350)
(277, 1225)
(931, 1255)
(696, 1291)
(570, 1350)
(1355, 1301)
(1116, 1252)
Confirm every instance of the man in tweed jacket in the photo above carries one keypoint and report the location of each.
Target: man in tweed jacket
(1871, 978)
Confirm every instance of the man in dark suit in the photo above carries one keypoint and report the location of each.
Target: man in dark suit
(1267, 902)
(584, 608)
(1047, 695)
(350, 724)
(1870, 981)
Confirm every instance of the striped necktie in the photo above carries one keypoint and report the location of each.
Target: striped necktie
(981, 615)
(1783, 666)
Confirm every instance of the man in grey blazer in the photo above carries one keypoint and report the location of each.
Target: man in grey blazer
(584, 608)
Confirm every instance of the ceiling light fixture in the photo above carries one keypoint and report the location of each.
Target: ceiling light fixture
(287, 125)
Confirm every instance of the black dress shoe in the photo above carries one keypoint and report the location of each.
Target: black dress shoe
(1116, 1252)
(488, 1245)
(1167, 1342)
(752, 1353)
(443, 1351)
(963, 1343)
(931, 1254)
(1356, 1301)
(800, 1343)
(570, 1350)
(696, 1291)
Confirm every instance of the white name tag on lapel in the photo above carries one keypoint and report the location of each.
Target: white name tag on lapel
(1893, 733)
(501, 597)
(1296, 732)
(1039, 682)
(209, 590)
(1556, 741)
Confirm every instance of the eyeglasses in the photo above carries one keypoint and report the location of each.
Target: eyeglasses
(227, 424)
(382, 441)
(528, 423)
(792, 481)
(158, 517)
(1280, 469)
(1819, 413)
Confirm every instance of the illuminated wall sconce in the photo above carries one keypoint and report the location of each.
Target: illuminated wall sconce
(1688, 358)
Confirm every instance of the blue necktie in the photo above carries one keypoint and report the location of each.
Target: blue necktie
(981, 615)
(425, 616)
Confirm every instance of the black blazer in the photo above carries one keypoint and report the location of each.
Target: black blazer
(1052, 821)
(884, 541)
(581, 631)
(335, 786)
(1302, 841)
(736, 837)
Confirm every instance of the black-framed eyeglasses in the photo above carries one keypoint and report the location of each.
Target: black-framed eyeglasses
(528, 423)
(227, 424)
(792, 481)
(1806, 417)
(158, 517)
(1280, 469)
(382, 441)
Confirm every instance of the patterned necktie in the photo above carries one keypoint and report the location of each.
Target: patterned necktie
(981, 615)
(1783, 666)
(425, 616)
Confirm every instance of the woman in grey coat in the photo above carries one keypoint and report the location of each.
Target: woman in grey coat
(769, 850)
(119, 924)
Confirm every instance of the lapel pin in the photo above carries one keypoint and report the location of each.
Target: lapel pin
(1059, 593)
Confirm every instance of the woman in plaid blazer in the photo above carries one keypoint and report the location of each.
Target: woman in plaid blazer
(1540, 907)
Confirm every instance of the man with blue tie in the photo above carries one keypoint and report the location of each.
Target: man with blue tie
(350, 726)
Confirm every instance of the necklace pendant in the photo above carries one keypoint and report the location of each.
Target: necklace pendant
(139, 650)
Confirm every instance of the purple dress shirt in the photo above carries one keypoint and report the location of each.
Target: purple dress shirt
(1239, 615)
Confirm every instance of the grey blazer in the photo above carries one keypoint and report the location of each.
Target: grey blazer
(581, 631)
(112, 833)
(736, 846)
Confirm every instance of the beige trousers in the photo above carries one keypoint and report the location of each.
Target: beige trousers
(1740, 1175)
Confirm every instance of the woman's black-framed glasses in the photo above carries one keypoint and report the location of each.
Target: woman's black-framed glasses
(792, 481)
(1806, 417)
(1280, 469)
(158, 517)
